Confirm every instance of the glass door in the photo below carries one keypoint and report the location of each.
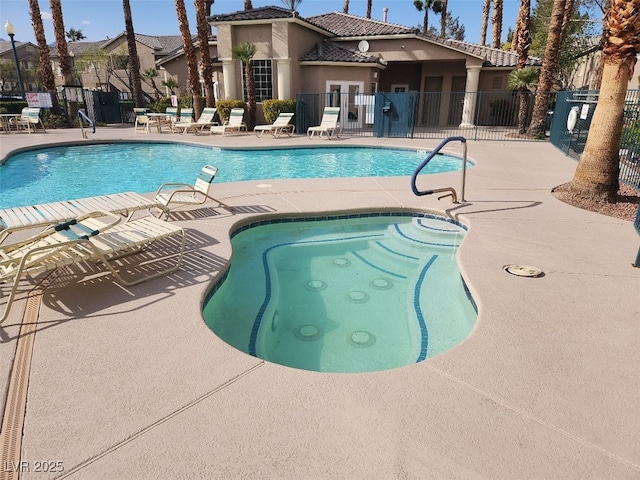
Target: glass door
(343, 95)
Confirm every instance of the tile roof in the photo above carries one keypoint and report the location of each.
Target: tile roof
(493, 57)
(261, 13)
(332, 52)
(344, 25)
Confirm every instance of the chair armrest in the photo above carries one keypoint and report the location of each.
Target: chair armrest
(165, 185)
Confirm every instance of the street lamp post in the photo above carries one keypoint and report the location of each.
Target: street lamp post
(11, 31)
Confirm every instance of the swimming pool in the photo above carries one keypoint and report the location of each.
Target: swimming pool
(353, 293)
(67, 172)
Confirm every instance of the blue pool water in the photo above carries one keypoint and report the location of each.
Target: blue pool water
(63, 173)
(357, 294)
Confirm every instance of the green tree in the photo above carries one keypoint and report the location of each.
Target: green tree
(205, 56)
(74, 35)
(97, 61)
(549, 64)
(61, 41)
(596, 176)
(46, 71)
(426, 5)
(134, 61)
(523, 81)
(171, 84)
(190, 57)
(245, 52)
(151, 74)
(578, 31)
(454, 29)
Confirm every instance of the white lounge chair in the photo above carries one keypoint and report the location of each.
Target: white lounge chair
(234, 124)
(143, 122)
(184, 194)
(38, 216)
(89, 238)
(30, 116)
(205, 120)
(185, 119)
(328, 124)
(279, 126)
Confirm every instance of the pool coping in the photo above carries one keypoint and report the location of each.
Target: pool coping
(545, 387)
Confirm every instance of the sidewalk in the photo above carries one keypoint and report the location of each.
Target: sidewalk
(131, 384)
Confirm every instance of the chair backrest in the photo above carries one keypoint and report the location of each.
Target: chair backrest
(330, 117)
(31, 113)
(283, 119)
(172, 113)
(235, 117)
(205, 179)
(207, 115)
(140, 111)
(186, 114)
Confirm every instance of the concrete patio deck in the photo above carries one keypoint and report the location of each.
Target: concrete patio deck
(129, 383)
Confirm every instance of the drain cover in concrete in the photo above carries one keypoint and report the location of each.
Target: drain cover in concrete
(523, 270)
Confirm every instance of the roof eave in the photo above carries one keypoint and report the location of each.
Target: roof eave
(262, 21)
(341, 64)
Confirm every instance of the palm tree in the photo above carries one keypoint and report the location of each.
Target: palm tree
(171, 84)
(190, 57)
(426, 5)
(369, 5)
(248, 5)
(549, 64)
(596, 177)
(61, 41)
(74, 35)
(205, 57)
(345, 6)
(46, 71)
(497, 23)
(134, 61)
(291, 4)
(245, 52)
(152, 74)
(523, 81)
(486, 6)
(443, 19)
(522, 37)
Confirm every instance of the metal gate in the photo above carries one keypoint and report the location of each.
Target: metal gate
(572, 117)
(107, 107)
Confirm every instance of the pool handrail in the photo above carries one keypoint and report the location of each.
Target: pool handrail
(83, 116)
(434, 152)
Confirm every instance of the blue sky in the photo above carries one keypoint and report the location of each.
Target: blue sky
(99, 19)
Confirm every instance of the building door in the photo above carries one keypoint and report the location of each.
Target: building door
(456, 102)
(343, 95)
(432, 97)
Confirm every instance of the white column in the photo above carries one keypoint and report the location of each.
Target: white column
(284, 78)
(470, 97)
(229, 78)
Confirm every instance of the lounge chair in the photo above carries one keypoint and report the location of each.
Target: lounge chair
(143, 121)
(93, 237)
(28, 117)
(184, 194)
(38, 216)
(328, 124)
(205, 120)
(234, 124)
(280, 126)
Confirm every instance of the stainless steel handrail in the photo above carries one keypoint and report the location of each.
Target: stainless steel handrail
(83, 116)
(451, 190)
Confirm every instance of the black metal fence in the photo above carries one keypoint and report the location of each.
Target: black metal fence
(575, 109)
(475, 115)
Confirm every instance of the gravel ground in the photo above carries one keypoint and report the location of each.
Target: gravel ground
(625, 207)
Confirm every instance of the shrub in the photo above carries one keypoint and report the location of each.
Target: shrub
(54, 121)
(225, 106)
(14, 106)
(273, 108)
